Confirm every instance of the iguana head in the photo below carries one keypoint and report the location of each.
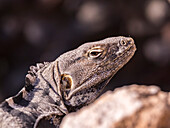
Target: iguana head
(86, 70)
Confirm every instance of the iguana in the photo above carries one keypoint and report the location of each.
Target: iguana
(73, 80)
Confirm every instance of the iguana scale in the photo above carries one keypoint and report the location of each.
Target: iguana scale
(73, 80)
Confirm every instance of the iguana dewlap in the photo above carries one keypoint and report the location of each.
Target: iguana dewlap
(73, 80)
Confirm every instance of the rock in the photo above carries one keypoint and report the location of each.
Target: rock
(135, 106)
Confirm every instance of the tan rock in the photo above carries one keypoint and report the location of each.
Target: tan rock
(135, 106)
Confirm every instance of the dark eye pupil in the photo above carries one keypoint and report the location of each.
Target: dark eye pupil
(94, 53)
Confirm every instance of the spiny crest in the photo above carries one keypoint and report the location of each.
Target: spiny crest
(31, 77)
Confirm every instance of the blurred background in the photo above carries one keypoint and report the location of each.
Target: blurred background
(34, 31)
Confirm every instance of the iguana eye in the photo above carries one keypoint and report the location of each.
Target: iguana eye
(66, 82)
(95, 52)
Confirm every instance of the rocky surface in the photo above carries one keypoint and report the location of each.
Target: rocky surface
(135, 106)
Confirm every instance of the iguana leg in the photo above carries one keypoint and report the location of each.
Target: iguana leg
(49, 120)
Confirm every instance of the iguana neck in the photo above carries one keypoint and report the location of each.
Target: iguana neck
(50, 80)
(43, 97)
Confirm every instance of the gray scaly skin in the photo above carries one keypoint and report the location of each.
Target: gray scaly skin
(72, 81)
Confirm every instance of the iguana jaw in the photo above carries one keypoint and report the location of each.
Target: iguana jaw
(100, 86)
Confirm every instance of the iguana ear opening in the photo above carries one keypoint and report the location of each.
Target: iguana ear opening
(57, 75)
(66, 82)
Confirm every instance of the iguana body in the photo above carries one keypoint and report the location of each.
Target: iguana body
(72, 81)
